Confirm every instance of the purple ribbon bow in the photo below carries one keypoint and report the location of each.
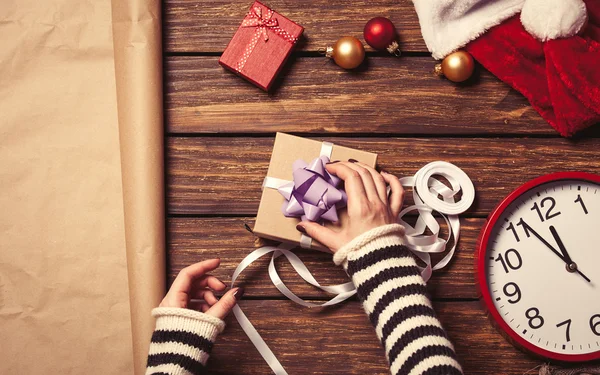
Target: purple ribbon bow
(313, 194)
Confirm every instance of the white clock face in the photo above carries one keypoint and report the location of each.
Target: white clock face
(542, 233)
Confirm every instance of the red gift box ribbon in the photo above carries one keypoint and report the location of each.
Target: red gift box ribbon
(256, 19)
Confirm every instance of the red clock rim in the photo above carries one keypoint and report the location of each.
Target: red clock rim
(482, 279)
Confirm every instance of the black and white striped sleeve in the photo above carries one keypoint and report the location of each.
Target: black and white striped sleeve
(182, 341)
(394, 296)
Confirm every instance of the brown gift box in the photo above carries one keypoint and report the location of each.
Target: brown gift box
(270, 221)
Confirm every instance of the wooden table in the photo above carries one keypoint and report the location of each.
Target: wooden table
(220, 130)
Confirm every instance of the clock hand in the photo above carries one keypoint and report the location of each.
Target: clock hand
(571, 266)
(528, 229)
(561, 246)
(564, 258)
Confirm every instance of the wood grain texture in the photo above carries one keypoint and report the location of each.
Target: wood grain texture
(193, 26)
(224, 175)
(340, 340)
(195, 239)
(387, 96)
(220, 175)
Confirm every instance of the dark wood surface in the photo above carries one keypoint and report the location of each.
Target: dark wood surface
(195, 239)
(220, 131)
(314, 95)
(340, 340)
(202, 26)
(224, 175)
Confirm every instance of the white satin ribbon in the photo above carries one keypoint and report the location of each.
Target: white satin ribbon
(426, 190)
(342, 292)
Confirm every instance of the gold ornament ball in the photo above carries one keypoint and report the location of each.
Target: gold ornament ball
(457, 66)
(348, 52)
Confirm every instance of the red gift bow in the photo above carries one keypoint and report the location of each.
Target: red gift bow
(255, 19)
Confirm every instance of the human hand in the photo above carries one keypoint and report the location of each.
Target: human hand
(368, 204)
(192, 283)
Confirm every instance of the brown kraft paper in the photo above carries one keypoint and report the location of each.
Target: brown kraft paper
(64, 299)
(138, 65)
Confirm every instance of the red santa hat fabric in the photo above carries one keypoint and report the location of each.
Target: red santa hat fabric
(552, 60)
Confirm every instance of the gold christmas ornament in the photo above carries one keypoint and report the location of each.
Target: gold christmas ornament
(348, 52)
(457, 66)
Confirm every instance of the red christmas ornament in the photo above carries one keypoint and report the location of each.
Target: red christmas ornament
(380, 34)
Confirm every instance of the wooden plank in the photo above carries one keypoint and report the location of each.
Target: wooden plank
(388, 96)
(195, 239)
(199, 26)
(224, 175)
(340, 340)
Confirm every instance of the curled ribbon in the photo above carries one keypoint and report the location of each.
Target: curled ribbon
(426, 190)
(342, 292)
(313, 194)
(256, 19)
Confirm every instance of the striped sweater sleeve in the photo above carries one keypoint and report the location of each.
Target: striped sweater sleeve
(394, 296)
(182, 341)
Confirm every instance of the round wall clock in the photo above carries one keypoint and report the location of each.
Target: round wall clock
(538, 266)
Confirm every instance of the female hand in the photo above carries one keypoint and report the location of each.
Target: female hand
(192, 283)
(368, 204)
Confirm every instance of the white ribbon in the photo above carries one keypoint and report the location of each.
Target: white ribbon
(426, 190)
(342, 291)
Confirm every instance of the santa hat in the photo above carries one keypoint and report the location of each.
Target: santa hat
(549, 52)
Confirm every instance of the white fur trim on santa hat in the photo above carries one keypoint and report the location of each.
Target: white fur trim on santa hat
(448, 25)
(552, 19)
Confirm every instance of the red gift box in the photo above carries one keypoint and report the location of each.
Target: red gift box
(261, 45)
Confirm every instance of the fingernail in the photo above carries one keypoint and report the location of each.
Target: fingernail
(353, 161)
(383, 172)
(333, 162)
(238, 293)
(300, 228)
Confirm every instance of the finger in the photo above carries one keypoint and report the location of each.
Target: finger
(319, 233)
(210, 298)
(185, 278)
(207, 295)
(198, 306)
(352, 182)
(367, 181)
(397, 196)
(378, 180)
(209, 281)
(226, 303)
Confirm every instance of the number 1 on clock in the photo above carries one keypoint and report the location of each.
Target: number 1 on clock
(582, 204)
